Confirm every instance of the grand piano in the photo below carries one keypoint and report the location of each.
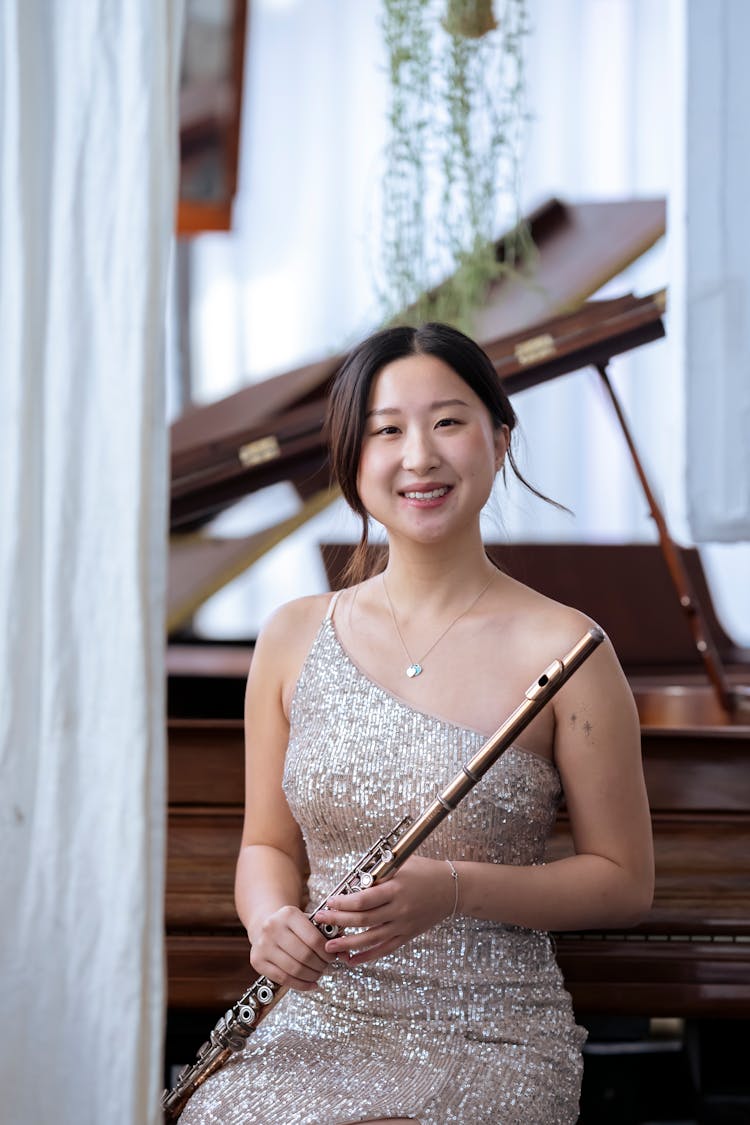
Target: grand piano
(690, 959)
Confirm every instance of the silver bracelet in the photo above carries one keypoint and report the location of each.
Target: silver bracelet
(454, 873)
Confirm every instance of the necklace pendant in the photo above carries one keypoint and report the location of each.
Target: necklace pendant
(414, 670)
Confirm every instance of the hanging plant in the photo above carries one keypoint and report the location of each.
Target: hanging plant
(455, 119)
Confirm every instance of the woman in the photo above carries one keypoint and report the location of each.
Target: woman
(439, 1000)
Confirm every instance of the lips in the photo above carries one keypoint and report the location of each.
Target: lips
(425, 494)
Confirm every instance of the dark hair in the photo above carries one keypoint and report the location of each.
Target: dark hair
(350, 393)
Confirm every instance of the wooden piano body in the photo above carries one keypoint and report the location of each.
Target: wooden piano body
(690, 957)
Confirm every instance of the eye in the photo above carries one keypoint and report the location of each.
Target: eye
(386, 431)
(448, 422)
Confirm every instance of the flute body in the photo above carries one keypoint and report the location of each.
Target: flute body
(376, 865)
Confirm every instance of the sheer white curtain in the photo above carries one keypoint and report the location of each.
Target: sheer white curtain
(87, 174)
(717, 297)
(606, 82)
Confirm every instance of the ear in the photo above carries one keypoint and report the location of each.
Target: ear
(502, 443)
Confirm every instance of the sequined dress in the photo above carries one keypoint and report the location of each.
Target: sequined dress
(470, 1022)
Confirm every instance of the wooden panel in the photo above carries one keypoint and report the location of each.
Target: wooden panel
(623, 587)
(208, 661)
(667, 978)
(208, 971)
(206, 762)
(695, 774)
(202, 847)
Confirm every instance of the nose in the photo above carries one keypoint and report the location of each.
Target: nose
(419, 451)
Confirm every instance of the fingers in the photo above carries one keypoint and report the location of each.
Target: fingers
(354, 919)
(290, 951)
(368, 899)
(388, 915)
(360, 910)
(292, 961)
(279, 975)
(371, 912)
(367, 945)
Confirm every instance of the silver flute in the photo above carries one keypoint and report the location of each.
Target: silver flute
(377, 864)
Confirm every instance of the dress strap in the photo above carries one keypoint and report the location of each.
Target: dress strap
(332, 606)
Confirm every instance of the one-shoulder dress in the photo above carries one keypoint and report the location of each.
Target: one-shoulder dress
(468, 1023)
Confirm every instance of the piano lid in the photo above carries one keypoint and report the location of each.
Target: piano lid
(204, 428)
(589, 337)
(291, 445)
(579, 249)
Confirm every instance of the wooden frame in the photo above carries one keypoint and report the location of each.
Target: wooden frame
(211, 83)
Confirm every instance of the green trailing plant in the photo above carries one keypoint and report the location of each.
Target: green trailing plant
(455, 121)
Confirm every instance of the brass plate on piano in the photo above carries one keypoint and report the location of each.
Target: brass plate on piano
(535, 349)
(260, 451)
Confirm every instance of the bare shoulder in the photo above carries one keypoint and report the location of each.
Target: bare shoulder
(544, 628)
(599, 687)
(291, 629)
(285, 640)
(303, 615)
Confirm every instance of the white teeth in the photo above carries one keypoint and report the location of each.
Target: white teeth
(426, 495)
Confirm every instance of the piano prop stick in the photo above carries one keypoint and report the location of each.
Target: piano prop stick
(730, 697)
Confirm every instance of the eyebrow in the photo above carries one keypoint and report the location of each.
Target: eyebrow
(439, 405)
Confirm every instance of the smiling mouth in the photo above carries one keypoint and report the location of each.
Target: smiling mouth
(432, 494)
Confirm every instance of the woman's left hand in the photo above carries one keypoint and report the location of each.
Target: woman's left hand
(420, 894)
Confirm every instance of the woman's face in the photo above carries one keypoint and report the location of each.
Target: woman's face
(430, 451)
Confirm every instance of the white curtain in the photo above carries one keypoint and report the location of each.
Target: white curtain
(87, 166)
(717, 292)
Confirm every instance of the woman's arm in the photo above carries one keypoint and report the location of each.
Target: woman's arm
(610, 880)
(269, 883)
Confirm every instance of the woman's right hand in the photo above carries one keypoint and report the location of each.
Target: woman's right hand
(289, 950)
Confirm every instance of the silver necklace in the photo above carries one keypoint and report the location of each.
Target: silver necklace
(415, 666)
